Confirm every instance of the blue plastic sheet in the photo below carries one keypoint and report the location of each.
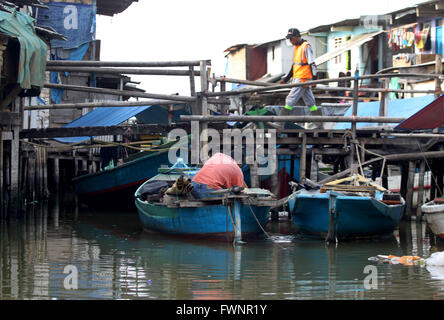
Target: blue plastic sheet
(75, 21)
(399, 108)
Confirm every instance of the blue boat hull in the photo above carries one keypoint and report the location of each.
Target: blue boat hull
(212, 221)
(355, 217)
(114, 188)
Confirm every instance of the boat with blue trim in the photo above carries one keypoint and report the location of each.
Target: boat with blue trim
(232, 214)
(115, 187)
(340, 211)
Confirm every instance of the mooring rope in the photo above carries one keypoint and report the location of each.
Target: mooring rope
(265, 232)
(428, 165)
(232, 222)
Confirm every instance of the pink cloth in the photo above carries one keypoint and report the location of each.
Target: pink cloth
(220, 172)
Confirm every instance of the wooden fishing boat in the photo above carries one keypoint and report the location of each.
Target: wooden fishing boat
(228, 216)
(116, 186)
(339, 211)
(434, 215)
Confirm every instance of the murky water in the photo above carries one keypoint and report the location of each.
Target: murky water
(115, 259)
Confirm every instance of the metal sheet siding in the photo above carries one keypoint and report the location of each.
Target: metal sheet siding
(429, 117)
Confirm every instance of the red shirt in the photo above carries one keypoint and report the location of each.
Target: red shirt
(220, 172)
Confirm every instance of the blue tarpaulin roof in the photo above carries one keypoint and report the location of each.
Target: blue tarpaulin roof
(101, 117)
(112, 116)
(399, 108)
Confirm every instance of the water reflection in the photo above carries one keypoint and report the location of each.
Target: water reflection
(115, 259)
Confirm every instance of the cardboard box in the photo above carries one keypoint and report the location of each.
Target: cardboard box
(425, 57)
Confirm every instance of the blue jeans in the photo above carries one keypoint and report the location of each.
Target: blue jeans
(202, 191)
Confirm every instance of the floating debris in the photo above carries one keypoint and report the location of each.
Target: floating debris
(404, 260)
(436, 259)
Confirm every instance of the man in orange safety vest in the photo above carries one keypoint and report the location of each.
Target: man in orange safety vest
(302, 69)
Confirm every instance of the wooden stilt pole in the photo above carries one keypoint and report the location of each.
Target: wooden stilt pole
(314, 166)
(45, 172)
(353, 125)
(303, 163)
(15, 172)
(31, 177)
(420, 198)
(438, 70)
(2, 211)
(56, 174)
(432, 179)
(275, 190)
(39, 175)
(254, 176)
(409, 189)
(384, 177)
(404, 177)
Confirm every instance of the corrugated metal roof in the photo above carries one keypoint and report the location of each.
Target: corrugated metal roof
(101, 117)
(428, 118)
(397, 108)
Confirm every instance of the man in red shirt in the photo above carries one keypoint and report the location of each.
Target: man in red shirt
(219, 172)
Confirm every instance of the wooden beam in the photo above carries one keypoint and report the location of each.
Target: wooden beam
(9, 118)
(98, 131)
(391, 157)
(428, 12)
(10, 97)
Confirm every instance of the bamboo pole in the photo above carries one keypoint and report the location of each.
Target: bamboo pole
(373, 90)
(320, 81)
(415, 135)
(438, 70)
(119, 92)
(248, 82)
(141, 64)
(101, 70)
(117, 104)
(243, 118)
(204, 105)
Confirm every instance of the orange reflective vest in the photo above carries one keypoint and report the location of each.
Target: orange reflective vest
(301, 69)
